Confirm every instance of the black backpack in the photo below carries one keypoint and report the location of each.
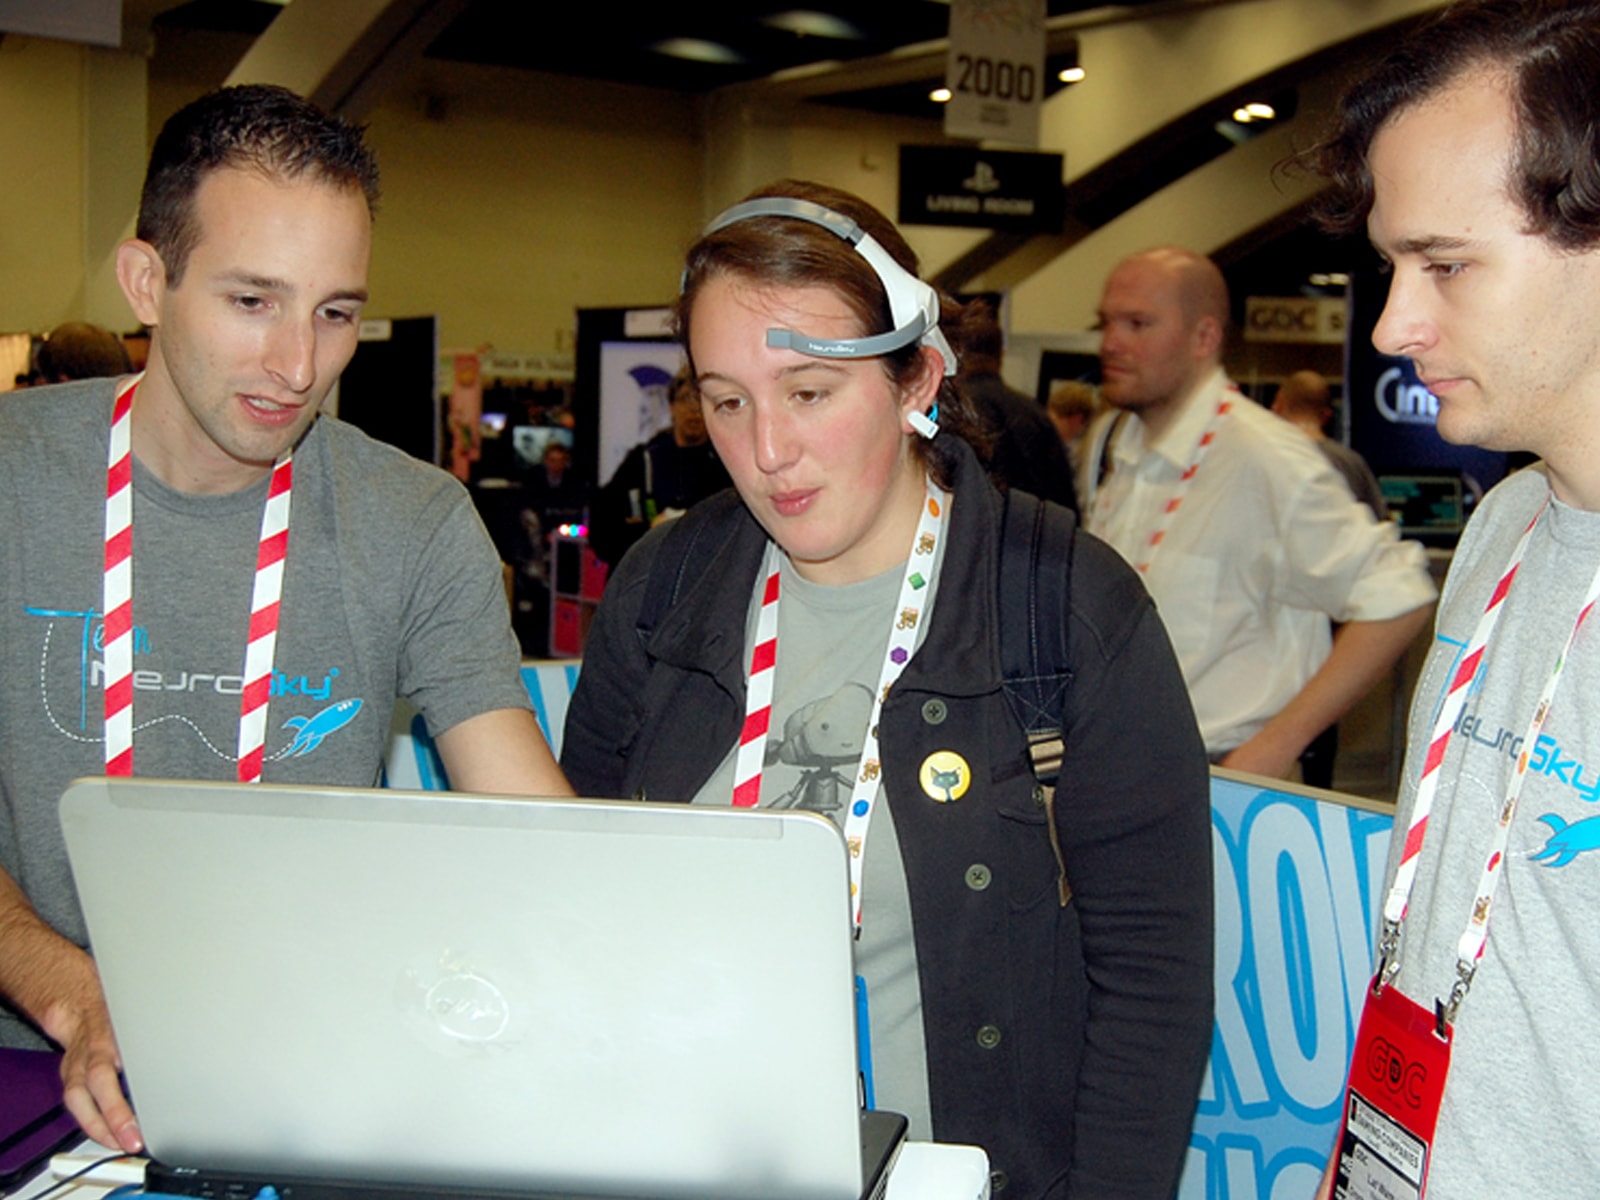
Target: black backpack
(1035, 581)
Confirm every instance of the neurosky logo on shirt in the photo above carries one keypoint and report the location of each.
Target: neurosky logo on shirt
(1546, 759)
(81, 635)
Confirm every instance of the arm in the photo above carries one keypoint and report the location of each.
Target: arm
(1362, 652)
(503, 752)
(1134, 817)
(55, 983)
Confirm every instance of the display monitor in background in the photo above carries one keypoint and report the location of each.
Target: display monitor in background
(531, 441)
(1430, 508)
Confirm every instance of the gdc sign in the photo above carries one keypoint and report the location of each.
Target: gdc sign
(1402, 400)
(1294, 319)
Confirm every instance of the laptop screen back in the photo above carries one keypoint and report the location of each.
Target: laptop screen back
(432, 988)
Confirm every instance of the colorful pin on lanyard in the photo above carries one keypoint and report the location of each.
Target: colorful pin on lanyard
(1147, 551)
(1469, 950)
(914, 588)
(117, 602)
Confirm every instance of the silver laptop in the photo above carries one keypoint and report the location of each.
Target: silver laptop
(465, 992)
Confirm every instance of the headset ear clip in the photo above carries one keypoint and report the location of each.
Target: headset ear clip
(925, 423)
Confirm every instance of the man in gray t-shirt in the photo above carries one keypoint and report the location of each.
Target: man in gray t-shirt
(1470, 156)
(250, 268)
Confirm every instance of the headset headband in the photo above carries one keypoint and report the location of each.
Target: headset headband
(913, 304)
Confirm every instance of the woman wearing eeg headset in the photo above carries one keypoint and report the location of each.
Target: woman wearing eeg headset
(852, 585)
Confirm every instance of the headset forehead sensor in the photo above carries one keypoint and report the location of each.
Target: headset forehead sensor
(913, 304)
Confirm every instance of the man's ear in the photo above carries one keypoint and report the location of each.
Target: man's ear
(1208, 338)
(143, 277)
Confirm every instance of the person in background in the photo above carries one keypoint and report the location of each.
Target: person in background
(1247, 539)
(1038, 973)
(78, 350)
(658, 480)
(1303, 401)
(157, 524)
(1023, 453)
(1071, 406)
(1470, 156)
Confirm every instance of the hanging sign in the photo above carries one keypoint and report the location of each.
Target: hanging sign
(995, 70)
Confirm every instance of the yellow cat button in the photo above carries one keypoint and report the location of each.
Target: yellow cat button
(945, 776)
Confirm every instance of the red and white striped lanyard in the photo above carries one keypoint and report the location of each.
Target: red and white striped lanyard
(1147, 550)
(902, 642)
(117, 601)
(1469, 950)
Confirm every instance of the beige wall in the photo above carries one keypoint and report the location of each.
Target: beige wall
(42, 94)
(512, 198)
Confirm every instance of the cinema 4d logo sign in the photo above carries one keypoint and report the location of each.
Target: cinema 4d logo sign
(1404, 401)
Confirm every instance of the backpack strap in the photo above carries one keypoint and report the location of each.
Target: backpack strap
(686, 551)
(1036, 545)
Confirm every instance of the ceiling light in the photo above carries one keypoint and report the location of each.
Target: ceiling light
(1261, 112)
(1319, 279)
(1072, 75)
(1242, 116)
(698, 50)
(940, 95)
(808, 23)
(1339, 279)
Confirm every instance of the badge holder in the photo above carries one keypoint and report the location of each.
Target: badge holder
(1396, 1085)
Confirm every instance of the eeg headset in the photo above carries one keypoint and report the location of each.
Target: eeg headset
(913, 304)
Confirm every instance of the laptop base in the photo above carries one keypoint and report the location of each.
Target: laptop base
(882, 1135)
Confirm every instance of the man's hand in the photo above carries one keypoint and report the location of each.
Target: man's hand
(56, 984)
(1261, 755)
(90, 1067)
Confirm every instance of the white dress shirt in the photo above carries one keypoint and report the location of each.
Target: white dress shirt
(1266, 548)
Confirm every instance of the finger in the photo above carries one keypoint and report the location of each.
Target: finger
(104, 1093)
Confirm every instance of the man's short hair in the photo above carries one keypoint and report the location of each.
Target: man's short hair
(257, 127)
(78, 350)
(1549, 51)
(1072, 398)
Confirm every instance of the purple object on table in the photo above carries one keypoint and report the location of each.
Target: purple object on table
(33, 1123)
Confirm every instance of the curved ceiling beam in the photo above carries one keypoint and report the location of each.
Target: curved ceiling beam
(344, 54)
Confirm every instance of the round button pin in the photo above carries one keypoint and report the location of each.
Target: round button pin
(945, 776)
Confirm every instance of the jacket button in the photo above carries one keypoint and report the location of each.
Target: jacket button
(934, 711)
(998, 1181)
(989, 1036)
(978, 877)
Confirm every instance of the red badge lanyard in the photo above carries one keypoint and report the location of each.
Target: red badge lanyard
(117, 602)
(1402, 1051)
(902, 641)
(1147, 551)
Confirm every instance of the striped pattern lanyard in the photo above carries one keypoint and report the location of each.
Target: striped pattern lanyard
(117, 602)
(1469, 950)
(907, 618)
(1147, 551)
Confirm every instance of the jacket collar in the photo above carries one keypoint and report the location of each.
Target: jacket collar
(959, 656)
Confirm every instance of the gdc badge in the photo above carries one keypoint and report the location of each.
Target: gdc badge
(1392, 1100)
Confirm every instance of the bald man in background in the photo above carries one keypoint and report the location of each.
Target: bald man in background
(1248, 540)
(1303, 401)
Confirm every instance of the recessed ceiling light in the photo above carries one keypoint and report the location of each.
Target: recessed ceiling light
(1242, 115)
(1339, 279)
(940, 95)
(808, 23)
(1072, 75)
(698, 50)
(1261, 112)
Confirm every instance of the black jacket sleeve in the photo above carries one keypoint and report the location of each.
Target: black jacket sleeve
(604, 714)
(1134, 820)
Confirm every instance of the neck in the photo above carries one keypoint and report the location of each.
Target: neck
(1158, 418)
(170, 444)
